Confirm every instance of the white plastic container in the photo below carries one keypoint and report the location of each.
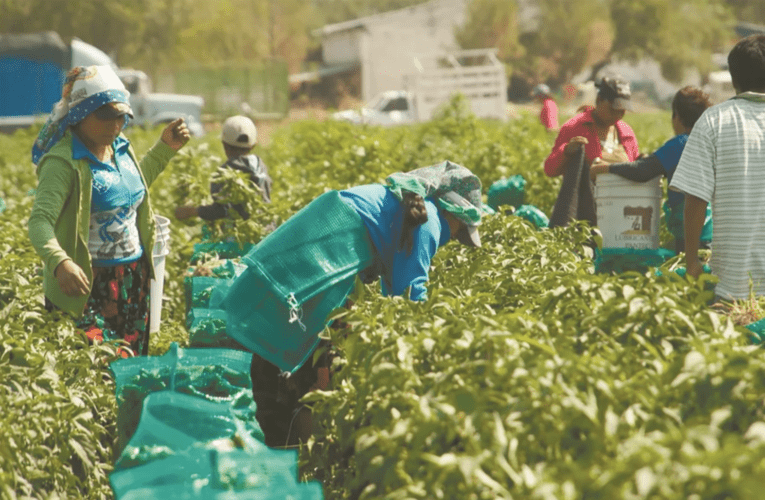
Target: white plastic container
(160, 251)
(628, 212)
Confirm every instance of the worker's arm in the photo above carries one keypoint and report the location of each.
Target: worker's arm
(693, 222)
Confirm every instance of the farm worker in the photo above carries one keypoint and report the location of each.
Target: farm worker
(549, 114)
(723, 163)
(687, 106)
(238, 136)
(600, 130)
(398, 226)
(92, 222)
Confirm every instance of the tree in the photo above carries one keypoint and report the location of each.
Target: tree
(752, 11)
(337, 11)
(570, 36)
(683, 34)
(491, 23)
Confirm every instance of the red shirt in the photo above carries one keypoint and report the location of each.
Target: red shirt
(583, 125)
(549, 115)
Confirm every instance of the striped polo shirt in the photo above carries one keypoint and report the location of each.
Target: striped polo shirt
(724, 164)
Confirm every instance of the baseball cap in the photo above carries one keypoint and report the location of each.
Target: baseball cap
(455, 204)
(239, 131)
(616, 90)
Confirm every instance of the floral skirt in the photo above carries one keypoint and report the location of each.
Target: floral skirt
(118, 306)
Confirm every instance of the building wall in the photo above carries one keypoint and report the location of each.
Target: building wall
(342, 47)
(393, 42)
(386, 44)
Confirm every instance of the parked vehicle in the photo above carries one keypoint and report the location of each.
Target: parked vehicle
(394, 107)
(151, 108)
(477, 74)
(32, 71)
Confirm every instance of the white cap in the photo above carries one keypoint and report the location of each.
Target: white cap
(239, 131)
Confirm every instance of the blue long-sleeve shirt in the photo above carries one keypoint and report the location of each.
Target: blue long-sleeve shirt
(383, 216)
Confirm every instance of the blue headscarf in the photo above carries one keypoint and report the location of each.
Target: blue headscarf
(85, 90)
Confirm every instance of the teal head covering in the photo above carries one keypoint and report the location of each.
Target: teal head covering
(455, 188)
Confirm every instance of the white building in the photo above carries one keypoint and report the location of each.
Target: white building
(382, 46)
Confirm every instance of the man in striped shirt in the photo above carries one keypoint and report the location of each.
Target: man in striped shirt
(724, 164)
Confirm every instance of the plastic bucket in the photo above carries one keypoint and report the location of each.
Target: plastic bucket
(160, 251)
(628, 212)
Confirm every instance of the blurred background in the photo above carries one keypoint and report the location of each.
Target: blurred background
(282, 59)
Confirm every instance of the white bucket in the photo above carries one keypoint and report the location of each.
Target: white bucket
(161, 249)
(628, 212)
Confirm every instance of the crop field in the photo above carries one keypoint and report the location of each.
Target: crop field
(526, 375)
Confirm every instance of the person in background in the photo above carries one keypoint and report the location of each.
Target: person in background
(92, 222)
(238, 136)
(723, 163)
(407, 221)
(549, 114)
(600, 130)
(687, 106)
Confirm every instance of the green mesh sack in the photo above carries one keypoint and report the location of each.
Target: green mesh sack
(207, 328)
(208, 473)
(674, 219)
(229, 269)
(757, 331)
(198, 290)
(219, 249)
(210, 469)
(510, 191)
(298, 491)
(244, 470)
(295, 277)
(171, 422)
(533, 215)
(185, 470)
(619, 260)
(216, 375)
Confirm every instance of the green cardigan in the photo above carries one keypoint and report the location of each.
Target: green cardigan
(59, 226)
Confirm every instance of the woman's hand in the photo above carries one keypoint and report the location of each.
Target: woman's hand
(574, 144)
(71, 279)
(176, 134)
(184, 212)
(598, 167)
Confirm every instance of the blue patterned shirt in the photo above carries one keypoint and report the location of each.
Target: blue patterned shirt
(383, 216)
(117, 193)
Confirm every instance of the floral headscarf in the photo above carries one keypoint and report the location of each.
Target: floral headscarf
(461, 185)
(85, 90)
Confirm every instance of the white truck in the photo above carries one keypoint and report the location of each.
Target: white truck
(476, 74)
(32, 71)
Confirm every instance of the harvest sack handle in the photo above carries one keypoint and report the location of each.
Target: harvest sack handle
(296, 312)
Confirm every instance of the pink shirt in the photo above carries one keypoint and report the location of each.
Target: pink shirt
(583, 125)
(549, 115)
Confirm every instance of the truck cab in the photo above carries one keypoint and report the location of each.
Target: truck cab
(151, 109)
(33, 67)
(393, 107)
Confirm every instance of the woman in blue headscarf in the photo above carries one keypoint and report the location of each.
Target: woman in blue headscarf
(92, 222)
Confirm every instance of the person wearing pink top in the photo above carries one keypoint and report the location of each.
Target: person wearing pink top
(600, 130)
(549, 114)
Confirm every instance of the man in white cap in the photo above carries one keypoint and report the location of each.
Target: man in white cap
(238, 136)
